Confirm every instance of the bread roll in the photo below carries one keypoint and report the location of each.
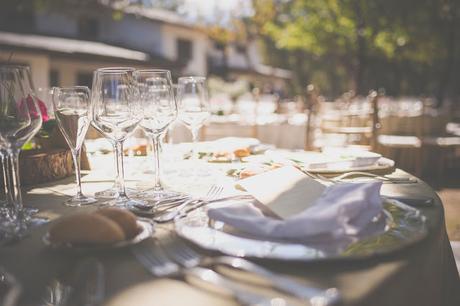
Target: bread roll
(86, 229)
(244, 152)
(125, 219)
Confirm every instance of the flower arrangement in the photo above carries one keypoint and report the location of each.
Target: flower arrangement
(42, 139)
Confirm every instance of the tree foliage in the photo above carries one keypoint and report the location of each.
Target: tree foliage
(407, 47)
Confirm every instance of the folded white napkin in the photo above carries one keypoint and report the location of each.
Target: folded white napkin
(342, 209)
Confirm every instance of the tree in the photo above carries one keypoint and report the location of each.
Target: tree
(358, 44)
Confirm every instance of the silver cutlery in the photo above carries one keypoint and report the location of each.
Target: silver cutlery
(212, 194)
(185, 256)
(157, 263)
(154, 260)
(243, 296)
(343, 177)
(417, 201)
(395, 180)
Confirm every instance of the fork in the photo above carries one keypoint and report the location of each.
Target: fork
(186, 257)
(376, 176)
(158, 264)
(212, 194)
(155, 260)
(342, 178)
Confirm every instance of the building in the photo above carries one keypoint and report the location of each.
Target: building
(63, 47)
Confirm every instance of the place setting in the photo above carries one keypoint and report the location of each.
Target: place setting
(362, 223)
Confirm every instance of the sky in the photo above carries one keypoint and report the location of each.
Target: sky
(215, 11)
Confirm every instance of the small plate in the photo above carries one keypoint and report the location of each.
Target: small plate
(146, 226)
(383, 164)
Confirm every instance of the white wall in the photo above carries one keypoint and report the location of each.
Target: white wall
(68, 69)
(197, 64)
(39, 65)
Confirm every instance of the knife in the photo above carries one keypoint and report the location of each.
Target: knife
(417, 201)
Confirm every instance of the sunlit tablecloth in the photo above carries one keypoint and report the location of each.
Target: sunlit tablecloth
(423, 274)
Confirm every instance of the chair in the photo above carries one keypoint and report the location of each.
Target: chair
(419, 139)
(400, 137)
(347, 122)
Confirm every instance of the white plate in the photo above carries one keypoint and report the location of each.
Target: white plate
(332, 163)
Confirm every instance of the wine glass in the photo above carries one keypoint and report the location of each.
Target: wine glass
(116, 112)
(159, 111)
(192, 97)
(112, 192)
(71, 109)
(20, 120)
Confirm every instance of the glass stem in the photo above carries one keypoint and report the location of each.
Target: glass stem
(194, 140)
(170, 136)
(156, 152)
(8, 180)
(5, 182)
(120, 180)
(76, 156)
(17, 195)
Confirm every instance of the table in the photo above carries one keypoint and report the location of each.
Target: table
(423, 274)
(287, 132)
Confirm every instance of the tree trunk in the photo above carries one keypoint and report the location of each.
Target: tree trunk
(300, 73)
(449, 68)
(361, 56)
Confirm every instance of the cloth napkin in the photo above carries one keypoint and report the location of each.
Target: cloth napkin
(341, 210)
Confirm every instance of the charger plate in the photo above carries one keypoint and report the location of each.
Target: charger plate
(397, 227)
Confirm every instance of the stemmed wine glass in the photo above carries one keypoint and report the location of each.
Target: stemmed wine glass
(112, 192)
(159, 111)
(116, 112)
(20, 120)
(192, 97)
(71, 109)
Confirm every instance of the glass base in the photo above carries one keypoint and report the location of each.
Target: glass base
(157, 196)
(14, 229)
(112, 193)
(80, 200)
(125, 202)
(29, 211)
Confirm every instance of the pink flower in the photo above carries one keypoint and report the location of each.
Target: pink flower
(33, 110)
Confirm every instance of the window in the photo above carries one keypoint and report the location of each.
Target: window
(88, 28)
(184, 50)
(241, 49)
(84, 79)
(219, 46)
(54, 77)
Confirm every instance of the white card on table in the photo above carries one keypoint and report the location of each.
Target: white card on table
(286, 191)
